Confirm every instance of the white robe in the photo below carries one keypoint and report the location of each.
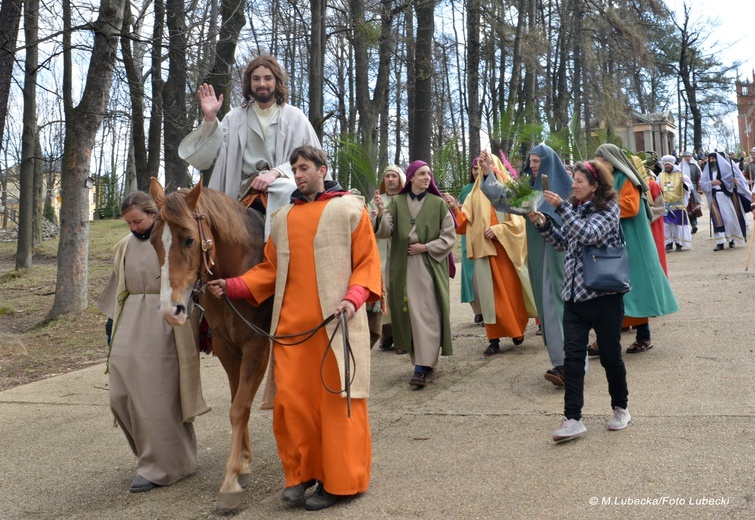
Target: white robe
(226, 144)
(731, 178)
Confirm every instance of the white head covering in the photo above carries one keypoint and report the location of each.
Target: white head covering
(668, 159)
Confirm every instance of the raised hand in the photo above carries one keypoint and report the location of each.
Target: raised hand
(378, 201)
(208, 102)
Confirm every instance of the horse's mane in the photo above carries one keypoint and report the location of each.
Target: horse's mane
(227, 217)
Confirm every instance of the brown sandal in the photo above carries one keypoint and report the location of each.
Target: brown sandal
(641, 345)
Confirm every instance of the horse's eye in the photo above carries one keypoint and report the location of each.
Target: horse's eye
(188, 241)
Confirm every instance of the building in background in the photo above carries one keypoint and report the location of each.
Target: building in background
(746, 112)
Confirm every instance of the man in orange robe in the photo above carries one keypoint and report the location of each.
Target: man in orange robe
(321, 258)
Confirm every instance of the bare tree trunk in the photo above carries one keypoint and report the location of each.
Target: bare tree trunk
(220, 77)
(317, 66)
(530, 83)
(10, 20)
(370, 107)
(39, 186)
(29, 139)
(174, 97)
(154, 138)
(473, 76)
(130, 176)
(82, 122)
(516, 76)
(137, 139)
(411, 81)
(423, 103)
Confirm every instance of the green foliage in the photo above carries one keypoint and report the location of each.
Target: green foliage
(519, 191)
(570, 142)
(7, 308)
(109, 193)
(355, 169)
(450, 167)
(10, 275)
(515, 137)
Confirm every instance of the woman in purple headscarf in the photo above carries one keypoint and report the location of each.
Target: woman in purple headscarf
(422, 236)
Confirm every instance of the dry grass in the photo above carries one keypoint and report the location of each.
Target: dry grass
(33, 348)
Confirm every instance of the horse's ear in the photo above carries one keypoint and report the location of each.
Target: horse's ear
(192, 199)
(157, 191)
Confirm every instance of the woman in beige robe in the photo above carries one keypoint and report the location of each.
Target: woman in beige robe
(146, 358)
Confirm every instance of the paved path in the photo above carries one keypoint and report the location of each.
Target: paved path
(474, 444)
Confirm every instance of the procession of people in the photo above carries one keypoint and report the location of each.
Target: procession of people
(385, 263)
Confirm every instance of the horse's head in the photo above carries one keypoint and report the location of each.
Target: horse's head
(184, 245)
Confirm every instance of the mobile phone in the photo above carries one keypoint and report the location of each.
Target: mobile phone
(545, 182)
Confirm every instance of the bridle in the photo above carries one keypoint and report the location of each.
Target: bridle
(208, 248)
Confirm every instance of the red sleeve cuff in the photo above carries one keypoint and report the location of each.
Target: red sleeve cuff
(357, 295)
(237, 289)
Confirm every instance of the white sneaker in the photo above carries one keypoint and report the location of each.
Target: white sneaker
(569, 429)
(620, 419)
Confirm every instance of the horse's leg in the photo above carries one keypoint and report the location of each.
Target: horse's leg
(229, 498)
(252, 370)
(259, 350)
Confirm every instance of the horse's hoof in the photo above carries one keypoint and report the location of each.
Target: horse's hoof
(229, 501)
(245, 479)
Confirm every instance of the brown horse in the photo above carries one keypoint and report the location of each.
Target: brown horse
(203, 233)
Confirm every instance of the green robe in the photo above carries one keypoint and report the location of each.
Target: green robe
(651, 294)
(428, 223)
(467, 265)
(539, 253)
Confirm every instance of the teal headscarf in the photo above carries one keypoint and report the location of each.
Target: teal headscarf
(559, 180)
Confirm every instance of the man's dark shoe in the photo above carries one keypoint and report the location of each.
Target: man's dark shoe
(141, 484)
(493, 348)
(669, 247)
(592, 349)
(294, 494)
(719, 247)
(556, 376)
(418, 379)
(478, 318)
(694, 229)
(518, 341)
(386, 344)
(320, 499)
(731, 245)
(678, 247)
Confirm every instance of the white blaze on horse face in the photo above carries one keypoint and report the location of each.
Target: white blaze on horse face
(167, 308)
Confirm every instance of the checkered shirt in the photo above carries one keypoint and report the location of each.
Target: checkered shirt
(582, 226)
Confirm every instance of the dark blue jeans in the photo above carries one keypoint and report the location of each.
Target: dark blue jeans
(604, 315)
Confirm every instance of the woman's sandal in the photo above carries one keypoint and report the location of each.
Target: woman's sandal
(641, 345)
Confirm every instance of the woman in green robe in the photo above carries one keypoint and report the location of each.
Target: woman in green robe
(651, 294)
(468, 292)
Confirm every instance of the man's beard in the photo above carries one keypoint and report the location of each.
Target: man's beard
(264, 96)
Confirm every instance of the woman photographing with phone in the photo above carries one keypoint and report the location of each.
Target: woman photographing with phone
(590, 218)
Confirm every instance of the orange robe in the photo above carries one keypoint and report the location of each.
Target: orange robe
(510, 311)
(316, 439)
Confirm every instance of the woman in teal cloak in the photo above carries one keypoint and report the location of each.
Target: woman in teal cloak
(545, 264)
(651, 294)
(468, 290)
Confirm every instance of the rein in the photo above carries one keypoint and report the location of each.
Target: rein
(348, 355)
